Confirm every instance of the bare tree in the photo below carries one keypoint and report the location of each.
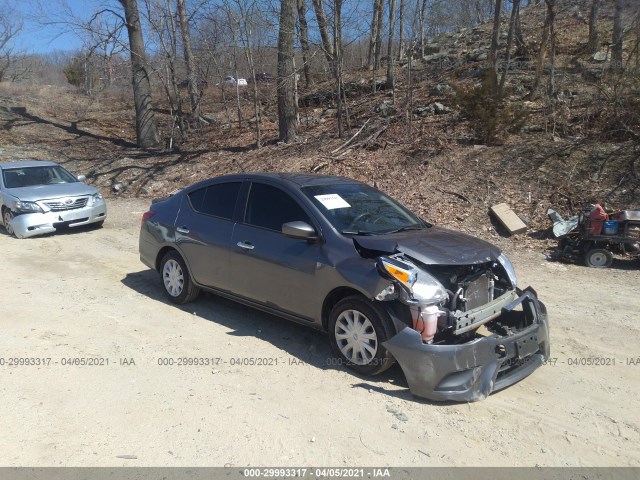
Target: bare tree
(194, 95)
(493, 50)
(247, 10)
(512, 24)
(592, 46)
(401, 32)
(376, 35)
(304, 41)
(542, 53)
(392, 28)
(321, 18)
(616, 41)
(421, 24)
(146, 128)
(337, 68)
(287, 107)
(10, 27)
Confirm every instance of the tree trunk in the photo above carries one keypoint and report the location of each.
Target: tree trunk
(521, 47)
(392, 29)
(542, 52)
(505, 68)
(493, 51)
(401, 32)
(194, 95)
(593, 45)
(146, 128)
(551, 13)
(337, 68)
(616, 41)
(377, 53)
(287, 108)
(375, 33)
(324, 31)
(304, 41)
(421, 21)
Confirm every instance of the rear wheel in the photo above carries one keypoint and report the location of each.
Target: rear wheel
(357, 330)
(598, 258)
(7, 216)
(176, 281)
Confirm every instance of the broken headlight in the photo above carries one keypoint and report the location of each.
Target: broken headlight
(26, 207)
(417, 285)
(508, 267)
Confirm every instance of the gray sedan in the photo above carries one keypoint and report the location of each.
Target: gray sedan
(38, 197)
(340, 256)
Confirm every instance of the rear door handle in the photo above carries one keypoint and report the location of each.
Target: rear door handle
(183, 230)
(245, 245)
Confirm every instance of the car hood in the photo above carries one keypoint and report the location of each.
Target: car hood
(433, 246)
(44, 192)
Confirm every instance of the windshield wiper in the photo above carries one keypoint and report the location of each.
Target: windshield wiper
(406, 229)
(357, 232)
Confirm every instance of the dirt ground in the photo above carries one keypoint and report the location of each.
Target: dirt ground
(85, 295)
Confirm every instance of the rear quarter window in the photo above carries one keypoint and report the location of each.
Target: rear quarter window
(216, 200)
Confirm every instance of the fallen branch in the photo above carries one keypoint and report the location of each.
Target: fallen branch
(348, 142)
(455, 194)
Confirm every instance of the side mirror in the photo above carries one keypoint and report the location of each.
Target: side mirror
(299, 229)
(82, 178)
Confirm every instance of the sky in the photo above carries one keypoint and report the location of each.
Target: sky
(38, 35)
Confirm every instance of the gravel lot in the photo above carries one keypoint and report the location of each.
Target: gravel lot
(84, 295)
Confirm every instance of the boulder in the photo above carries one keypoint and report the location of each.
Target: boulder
(601, 56)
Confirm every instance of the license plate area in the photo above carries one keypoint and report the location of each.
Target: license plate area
(527, 346)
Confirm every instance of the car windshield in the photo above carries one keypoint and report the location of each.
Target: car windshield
(34, 176)
(358, 209)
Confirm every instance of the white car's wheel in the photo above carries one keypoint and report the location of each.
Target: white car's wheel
(7, 216)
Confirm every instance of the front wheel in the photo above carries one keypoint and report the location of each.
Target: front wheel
(7, 216)
(357, 330)
(598, 258)
(176, 281)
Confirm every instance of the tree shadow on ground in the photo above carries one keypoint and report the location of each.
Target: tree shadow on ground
(72, 129)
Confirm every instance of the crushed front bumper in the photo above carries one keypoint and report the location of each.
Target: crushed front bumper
(471, 371)
(31, 224)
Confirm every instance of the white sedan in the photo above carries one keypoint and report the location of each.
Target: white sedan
(38, 197)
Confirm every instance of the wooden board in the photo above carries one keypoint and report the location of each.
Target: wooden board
(508, 218)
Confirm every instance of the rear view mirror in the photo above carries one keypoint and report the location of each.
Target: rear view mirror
(81, 178)
(299, 229)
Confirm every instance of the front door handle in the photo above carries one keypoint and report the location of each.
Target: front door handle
(183, 230)
(245, 245)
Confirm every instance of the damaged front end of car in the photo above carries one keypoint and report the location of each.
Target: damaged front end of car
(464, 331)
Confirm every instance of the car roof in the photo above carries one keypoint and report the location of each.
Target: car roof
(298, 179)
(27, 164)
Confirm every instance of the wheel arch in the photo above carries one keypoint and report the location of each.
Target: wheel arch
(162, 252)
(334, 297)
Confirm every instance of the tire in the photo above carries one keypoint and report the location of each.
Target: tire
(176, 281)
(371, 357)
(598, 258)
(7, 216)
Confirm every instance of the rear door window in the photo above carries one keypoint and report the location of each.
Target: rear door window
(269, 207)
(216, 200)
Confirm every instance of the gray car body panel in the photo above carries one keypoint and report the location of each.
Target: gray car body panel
(31, 224)
(293, 277)
(470, 371)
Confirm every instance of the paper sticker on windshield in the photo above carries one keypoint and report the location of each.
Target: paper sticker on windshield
(332, 201)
